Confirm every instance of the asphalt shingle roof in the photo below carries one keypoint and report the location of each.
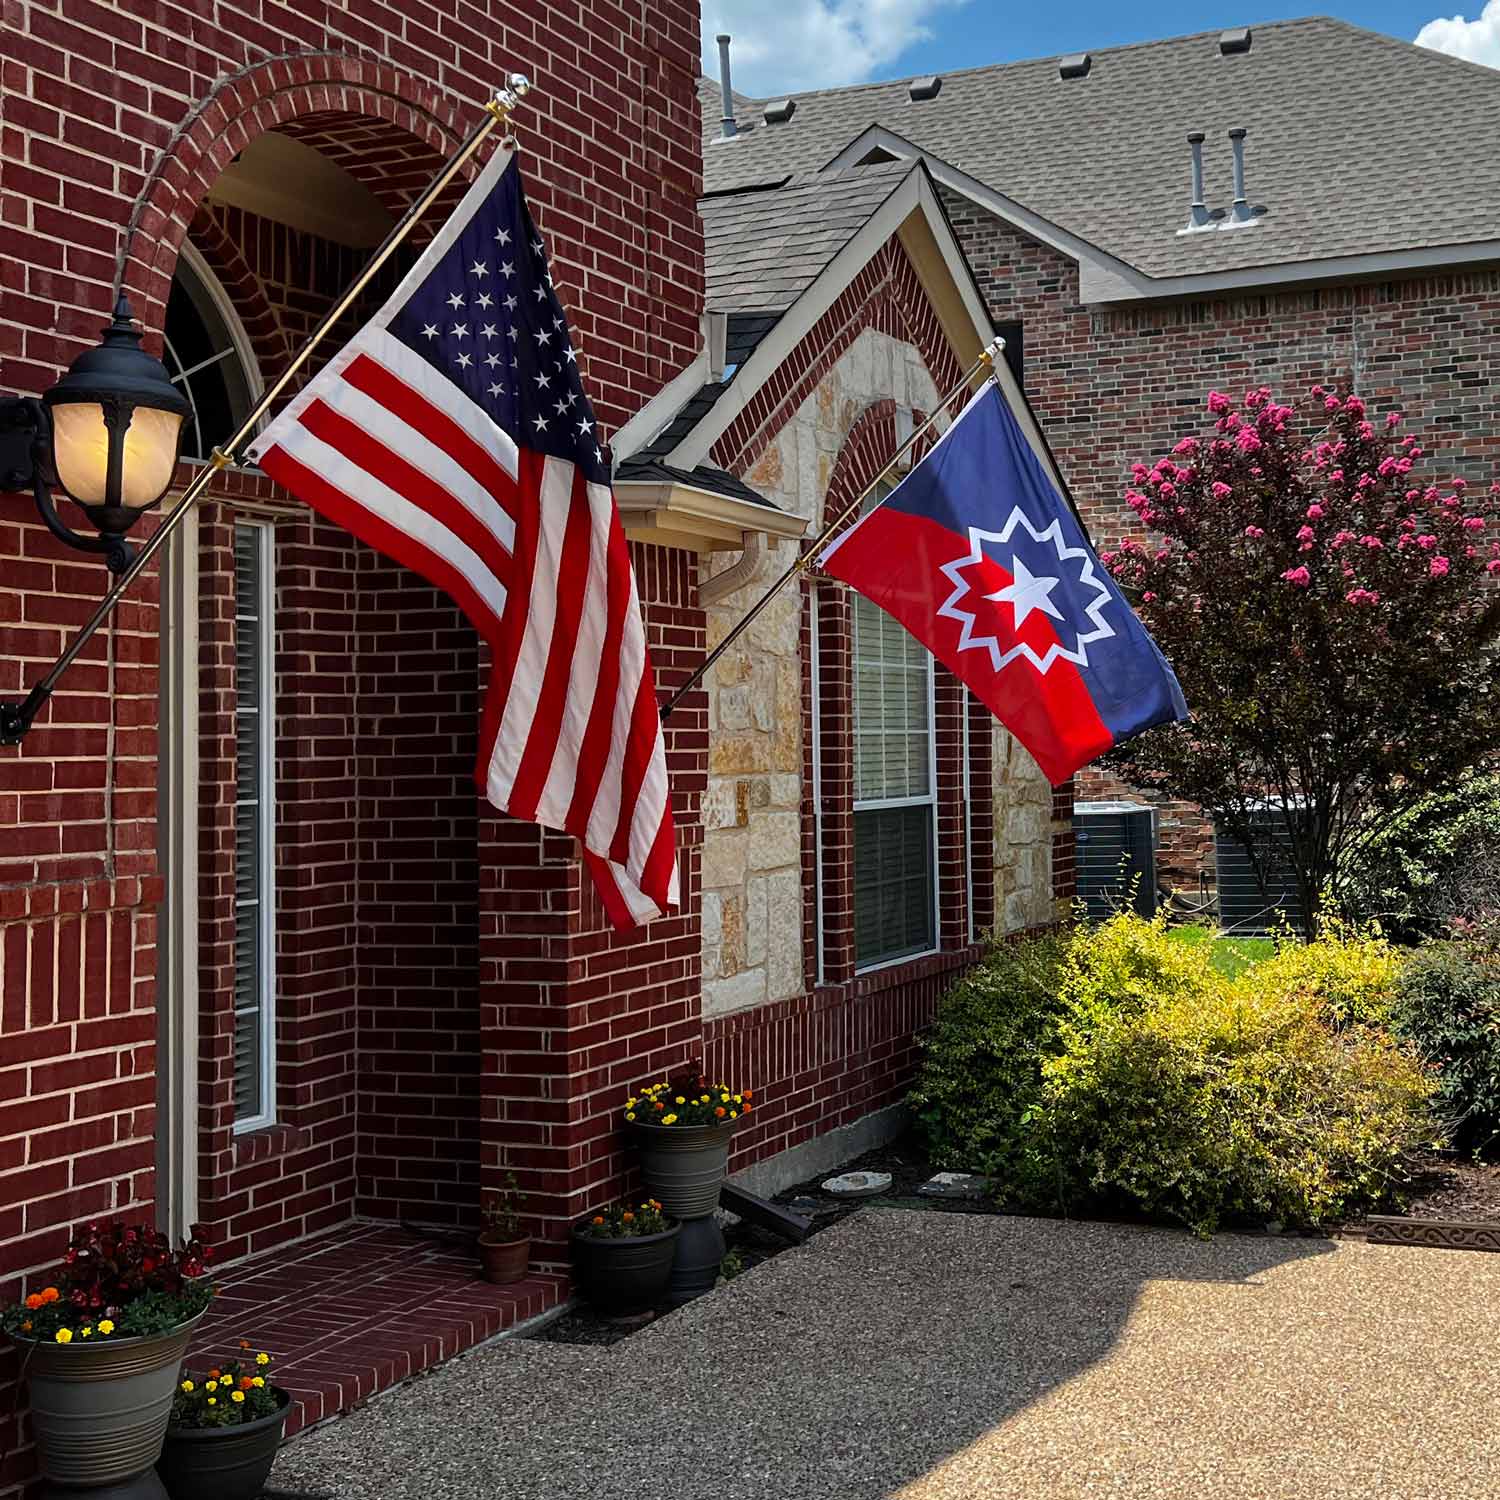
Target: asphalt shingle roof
(1358, 143)
(765, 248)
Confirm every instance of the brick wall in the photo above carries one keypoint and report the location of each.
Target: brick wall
(1114, 385)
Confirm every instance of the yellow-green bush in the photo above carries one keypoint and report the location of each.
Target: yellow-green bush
(1158, 1085)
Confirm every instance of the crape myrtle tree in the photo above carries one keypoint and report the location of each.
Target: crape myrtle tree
(1331, 614)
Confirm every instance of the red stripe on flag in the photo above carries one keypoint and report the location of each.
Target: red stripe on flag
(552, 700)
(407, 402)
(517, 607)
(645, 725)
(593, 753)
(328, 500)
(615, 907)
(375, 458)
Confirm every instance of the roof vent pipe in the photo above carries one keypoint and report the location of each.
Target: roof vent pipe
(1199, 216)
(1240, 213)
(729, 129)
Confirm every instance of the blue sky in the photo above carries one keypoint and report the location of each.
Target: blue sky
(785, 46)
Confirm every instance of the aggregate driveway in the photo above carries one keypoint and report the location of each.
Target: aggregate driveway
(926, 1356)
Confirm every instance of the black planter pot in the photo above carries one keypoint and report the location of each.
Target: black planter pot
(227, 1463)
(625, 1275)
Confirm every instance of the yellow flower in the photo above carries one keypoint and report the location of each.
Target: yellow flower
(679, 1100)
(734, 1114)
(262, 1359)
(669, 1119)
(630, 1104)
(105, 1326)
(64, 1335)
(630, 1114)
(212, 1401)
(212, 1385)
(85, 1332)
(704, 1099)
(258, 1381)
(186, 1385)
(739, 1098)
(237, 1396)
(723, 1098)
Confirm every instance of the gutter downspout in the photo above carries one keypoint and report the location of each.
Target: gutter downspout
(736, 575)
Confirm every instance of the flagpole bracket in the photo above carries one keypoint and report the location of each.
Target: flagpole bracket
(508, 97)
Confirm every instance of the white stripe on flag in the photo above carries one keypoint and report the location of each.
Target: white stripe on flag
(555, 506)
(368, 492)
(562, 780)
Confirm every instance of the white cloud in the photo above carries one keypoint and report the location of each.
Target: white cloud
(1478, 40)
(789, 46)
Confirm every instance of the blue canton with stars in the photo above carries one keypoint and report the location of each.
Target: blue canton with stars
(488, 319)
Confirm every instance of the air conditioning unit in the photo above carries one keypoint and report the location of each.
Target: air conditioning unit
(1116, 843)
(1245, 904)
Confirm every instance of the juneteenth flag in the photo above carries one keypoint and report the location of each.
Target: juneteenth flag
(452, 434)
(978, 555)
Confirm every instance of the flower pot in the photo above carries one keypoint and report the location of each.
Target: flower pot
(99, 1407)
(228, 1463)
(627, 1274)
(504, 1260)
(683, 1166)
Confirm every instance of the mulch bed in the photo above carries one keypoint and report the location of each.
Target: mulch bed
(1447, 1187)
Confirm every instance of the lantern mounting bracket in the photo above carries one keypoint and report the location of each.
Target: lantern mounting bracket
(25, 438)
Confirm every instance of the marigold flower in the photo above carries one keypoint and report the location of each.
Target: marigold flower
(679, 1100)
(213, 1374)
(50, 1294)
(749, 1093)
(34, 1301)
(64, 1335)
(734, 1114)
(630, 1114)
(212, 1385)
(213, 1400)
(106, 1326)
(719, 1111)
(26, 1326)
(246, 1382)
(657, 1104)
(244, 1343)
(628, 1217)
(237, 1396)
(669, 1119)
(258, 1381)
(262, 1359)
(86, 1332)
(598, 1218)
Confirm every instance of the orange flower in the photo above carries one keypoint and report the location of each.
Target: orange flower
(213, 1374)
(746, 1106)
(720, 1111)
(657, 1104)
(50, 1294)
(598, 1218)
(749, 1093)
(628, 1217)
(35, 1300)
(26, 1326)
(244, 1343)
(246, 1383)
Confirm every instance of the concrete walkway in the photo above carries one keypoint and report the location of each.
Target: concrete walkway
(943, 1357)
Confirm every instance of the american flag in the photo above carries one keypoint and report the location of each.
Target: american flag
(452, 434)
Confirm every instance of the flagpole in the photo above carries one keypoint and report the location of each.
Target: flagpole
(16, 719)
(985, 361)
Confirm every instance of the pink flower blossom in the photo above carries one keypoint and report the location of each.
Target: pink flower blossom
(1427, 543)
(1149, 597)
(1473, 523)
(1139, 472)
(1354, 406)
(1219, 490)
(1332, 404)
(1493, 566)
(1372, 542)
(1362, 596)
(1248, 441)
(1187, 445)
(1254, 532)
(1231, 423)
(1314, 512)
(1135, 500)
(1387, 466)
(1439, 567)
(1108, 557)
(1341, 539)
(1460, 485)
(1298, 576)
(1162, 554)
(1366, 431)
(1218, 403)
(1306, 534)
(1257, 397)
(1335, 476)
(1317, 391)
(1393, 419)
(1168, 489)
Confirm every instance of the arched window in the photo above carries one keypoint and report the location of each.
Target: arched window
(208, 355)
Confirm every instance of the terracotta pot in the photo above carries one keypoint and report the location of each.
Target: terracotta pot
(99, 1408)
(228, 1463)
(683, 1166)
(627, 1274)
(504, 1260)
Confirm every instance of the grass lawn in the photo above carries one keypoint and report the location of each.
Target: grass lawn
(1231, 956)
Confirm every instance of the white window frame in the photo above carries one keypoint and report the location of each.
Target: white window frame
(265, 533)
(878, 804)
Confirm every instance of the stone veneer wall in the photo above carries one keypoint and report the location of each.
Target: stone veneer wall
(752, 856)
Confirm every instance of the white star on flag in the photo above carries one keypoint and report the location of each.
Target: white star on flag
(1027, 593)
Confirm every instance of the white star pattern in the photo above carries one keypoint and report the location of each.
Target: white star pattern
(484, 300)
(429, 331)
(479, 269)
(541, 293)
(502, 236)
(460, 330)
(542, 336)
(456, 300)
(537, 246)
(507, 270)
(1027, 593)
(543, 381)
(541, 424)
(488, 331)
(571, 357)
(510, 304)
(492, 360)
(497, 389)
(1024, 592)
(585, 426)
(464, 361)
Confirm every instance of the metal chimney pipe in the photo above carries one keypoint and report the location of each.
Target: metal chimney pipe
(1199, 217)
(1241, 209)
(729, 129)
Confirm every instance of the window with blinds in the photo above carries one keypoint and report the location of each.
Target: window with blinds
(894, 793)
(254, 895)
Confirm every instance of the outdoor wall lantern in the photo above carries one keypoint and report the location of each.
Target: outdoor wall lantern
(107, 433)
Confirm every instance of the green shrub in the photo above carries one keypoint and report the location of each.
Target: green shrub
(981, 1070)
(1448, 1005)
(1117, 1069)
(1437, 861)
